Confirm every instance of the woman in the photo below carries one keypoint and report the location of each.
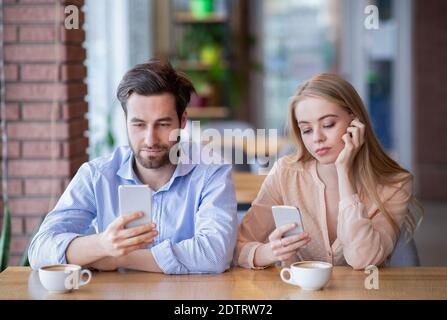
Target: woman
(353, 198)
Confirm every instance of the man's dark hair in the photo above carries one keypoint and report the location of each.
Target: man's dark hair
(156, 77)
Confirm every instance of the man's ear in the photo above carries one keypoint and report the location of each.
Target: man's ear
(183, 120)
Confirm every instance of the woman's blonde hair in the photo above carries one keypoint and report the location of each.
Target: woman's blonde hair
(372, 165)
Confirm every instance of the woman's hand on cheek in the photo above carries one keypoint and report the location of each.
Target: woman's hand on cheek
(353, 140)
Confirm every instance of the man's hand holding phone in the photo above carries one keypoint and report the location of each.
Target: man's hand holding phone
(118, 241)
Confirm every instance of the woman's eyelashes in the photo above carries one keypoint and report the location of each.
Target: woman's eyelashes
(325, 126)
(305, 131)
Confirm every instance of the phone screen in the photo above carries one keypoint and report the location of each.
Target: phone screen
(134, 198)
(286, 215)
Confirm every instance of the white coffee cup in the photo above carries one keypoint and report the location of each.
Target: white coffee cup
(63, 278)
(309, 275)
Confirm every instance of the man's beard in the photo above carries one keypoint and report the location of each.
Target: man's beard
(152, 162)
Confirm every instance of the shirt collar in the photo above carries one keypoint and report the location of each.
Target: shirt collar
(126, 169)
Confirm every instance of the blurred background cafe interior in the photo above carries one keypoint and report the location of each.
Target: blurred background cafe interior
(245, 59)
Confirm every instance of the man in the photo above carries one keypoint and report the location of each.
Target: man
(193, 205)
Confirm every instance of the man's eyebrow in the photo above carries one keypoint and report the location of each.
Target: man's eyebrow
(164, 119)
(135, 119)
(321, 118)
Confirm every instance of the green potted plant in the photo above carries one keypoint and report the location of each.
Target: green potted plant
(202, 43)
(201, 49)
(202, 8)
(5, 238)
(210, 54)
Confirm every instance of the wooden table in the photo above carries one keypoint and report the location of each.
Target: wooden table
(247, 186)
(394, 283)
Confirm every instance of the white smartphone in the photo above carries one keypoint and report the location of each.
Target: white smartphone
(134, 198)
(287, 215)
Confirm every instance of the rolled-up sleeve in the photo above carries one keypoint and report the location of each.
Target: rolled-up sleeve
(369, 240)
(258, 222)
(211, 248)
(71, 217)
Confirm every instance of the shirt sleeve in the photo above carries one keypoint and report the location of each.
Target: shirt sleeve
(211, 248)
(369, 240)
(258, 222)
(71, 217)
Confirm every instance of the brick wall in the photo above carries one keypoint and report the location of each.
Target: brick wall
(45, 109)
(430, 70)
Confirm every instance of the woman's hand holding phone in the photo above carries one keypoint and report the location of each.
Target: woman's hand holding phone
(282, 249)
(353, 139)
